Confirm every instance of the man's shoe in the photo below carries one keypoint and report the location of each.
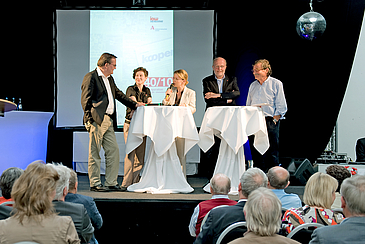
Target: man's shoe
(114, 188)
(99, 188)
(123, 188)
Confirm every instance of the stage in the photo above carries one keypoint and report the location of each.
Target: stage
(141, 217)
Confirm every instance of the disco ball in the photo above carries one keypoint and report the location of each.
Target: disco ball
(311, 25)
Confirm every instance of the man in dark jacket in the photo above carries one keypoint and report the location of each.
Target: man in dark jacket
(98, 94)
(220, 218)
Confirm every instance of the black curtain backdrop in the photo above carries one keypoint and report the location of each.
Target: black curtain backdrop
(314, 74)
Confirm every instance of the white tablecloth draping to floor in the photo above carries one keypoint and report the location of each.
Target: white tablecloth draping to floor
(162, 172)
(233, 125)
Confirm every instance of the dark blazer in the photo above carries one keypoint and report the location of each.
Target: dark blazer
(5, 212)
(92, 210)
(90, 206)
(94, 98)
(360, 150)
(79, 216)
(218, 220)
(351, 230)
(230, 90)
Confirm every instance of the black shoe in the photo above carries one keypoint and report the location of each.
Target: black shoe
(123, 188)
(113, 188)
(99, 188)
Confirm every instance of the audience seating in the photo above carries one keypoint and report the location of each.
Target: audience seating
(303, 233)
(10, 203)
(206, 216)
(338, 210)
(232, 232)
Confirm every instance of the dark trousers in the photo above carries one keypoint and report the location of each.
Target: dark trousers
(271, 156)
(208, 160)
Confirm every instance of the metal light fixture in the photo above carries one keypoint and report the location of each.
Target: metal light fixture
(311, 25)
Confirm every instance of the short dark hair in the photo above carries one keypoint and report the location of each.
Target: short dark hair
(105, 58)
(7, 179)
(339, 172)
(140, 69)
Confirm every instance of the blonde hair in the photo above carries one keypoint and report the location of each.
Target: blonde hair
(31, 192)
(265, 65)
(183, 75)
(263, 212)
(319, 190)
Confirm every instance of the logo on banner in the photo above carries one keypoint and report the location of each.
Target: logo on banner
(155, 19)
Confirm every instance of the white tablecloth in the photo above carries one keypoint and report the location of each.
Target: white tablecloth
(162, 171)
(233, 125)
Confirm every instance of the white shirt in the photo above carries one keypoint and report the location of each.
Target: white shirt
(271, 92)
(220, 84)
(110, 108)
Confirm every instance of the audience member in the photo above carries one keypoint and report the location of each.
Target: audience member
(88, 202)
(35, 218)
(220, 185)
(340, 173)
(279, 180)
(351, 229)
(220, 218)
(76, 211)
(319, 194)
(263, 218)
(7, 179)
(360, 150)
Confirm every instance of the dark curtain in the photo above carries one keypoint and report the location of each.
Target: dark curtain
(314, 74)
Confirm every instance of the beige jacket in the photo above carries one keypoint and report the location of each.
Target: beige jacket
(52, 230)
(188, 97)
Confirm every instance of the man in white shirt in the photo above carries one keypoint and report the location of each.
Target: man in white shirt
(269, 93)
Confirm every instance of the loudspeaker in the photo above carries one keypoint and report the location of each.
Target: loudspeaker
(300, 170)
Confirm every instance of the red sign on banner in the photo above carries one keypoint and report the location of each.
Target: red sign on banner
(158, 81)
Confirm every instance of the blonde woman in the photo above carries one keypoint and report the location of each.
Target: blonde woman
(319, 195)
(35, 218)
(180, 95)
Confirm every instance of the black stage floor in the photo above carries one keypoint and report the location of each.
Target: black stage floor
(141, 217)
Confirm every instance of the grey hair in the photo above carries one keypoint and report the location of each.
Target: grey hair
(252, 179)
(263, 212)
(221, 184)
(275, 180)
(353, 191)
(7, 179)
(64, 174)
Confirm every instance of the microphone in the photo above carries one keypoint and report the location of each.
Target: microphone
(171, 86)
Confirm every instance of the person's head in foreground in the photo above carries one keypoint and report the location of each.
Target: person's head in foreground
(263, 212)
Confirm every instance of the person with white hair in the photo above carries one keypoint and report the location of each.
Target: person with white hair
(263, 218)
(76, 211)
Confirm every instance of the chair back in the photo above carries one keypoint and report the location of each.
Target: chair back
(27, 242)
(206, 216)
(232, 232)
(338, 210)
(8, 203)
(303, 233)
